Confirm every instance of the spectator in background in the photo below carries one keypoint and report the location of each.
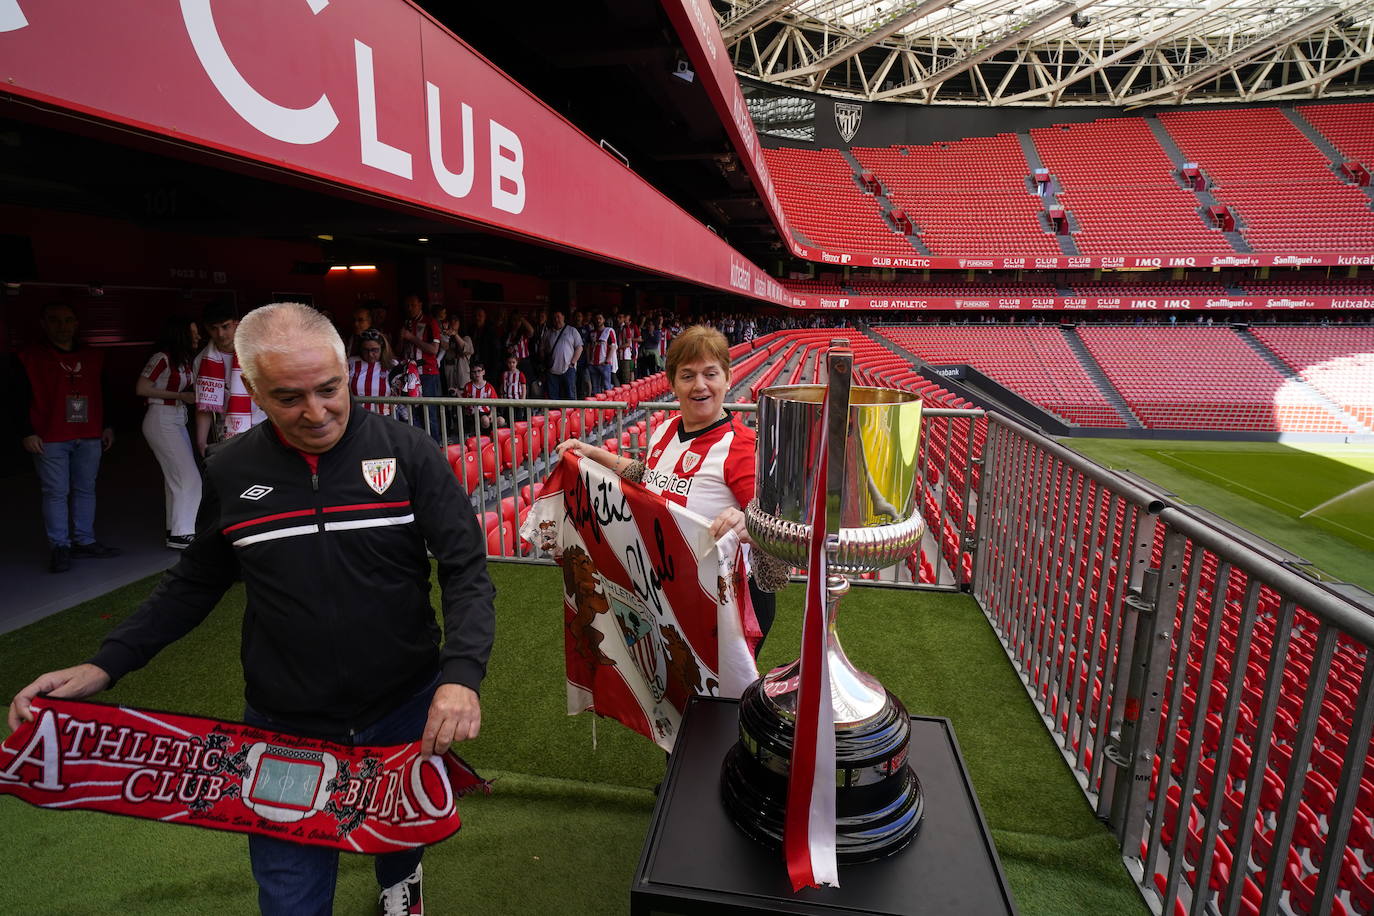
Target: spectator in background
(420, 344)
(380, 314)
(480, 416)
(649, 338)
(562, 347)
(223, 406)
(169, 385)
(514, 384)
(61, 422)
(362, 320)
(404, 381)
(603, 361)
(581, 324)
(627, 338)
(369, 369)
(486, 342)
(518, 341)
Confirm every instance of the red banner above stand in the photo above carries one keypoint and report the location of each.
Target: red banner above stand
(376, 97)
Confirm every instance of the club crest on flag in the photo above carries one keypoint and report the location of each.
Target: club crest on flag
(690, 461)
(639, 627)
(847, 118)
(379, 473)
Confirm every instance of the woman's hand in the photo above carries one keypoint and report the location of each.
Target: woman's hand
(731, 519)
(576, 446)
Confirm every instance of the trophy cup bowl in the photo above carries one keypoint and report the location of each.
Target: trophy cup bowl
(873, 495)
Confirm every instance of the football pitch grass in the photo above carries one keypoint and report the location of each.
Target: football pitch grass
(563, 830)
(1312, 499)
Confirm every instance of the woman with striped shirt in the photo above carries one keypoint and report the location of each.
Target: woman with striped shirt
(167, 381)
(368, 369)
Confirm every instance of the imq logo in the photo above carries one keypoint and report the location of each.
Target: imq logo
(847, 118)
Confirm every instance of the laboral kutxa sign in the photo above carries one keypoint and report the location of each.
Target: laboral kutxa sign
(370, 94)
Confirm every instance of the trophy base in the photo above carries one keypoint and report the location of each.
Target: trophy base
(878, 798)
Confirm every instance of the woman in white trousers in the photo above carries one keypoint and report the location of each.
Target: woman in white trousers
(169, 385)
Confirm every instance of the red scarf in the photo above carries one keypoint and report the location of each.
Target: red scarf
(227, 776)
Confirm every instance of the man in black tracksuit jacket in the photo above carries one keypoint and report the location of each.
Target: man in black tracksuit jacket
(325, 513)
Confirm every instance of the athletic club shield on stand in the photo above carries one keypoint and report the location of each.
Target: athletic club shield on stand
(866, 442)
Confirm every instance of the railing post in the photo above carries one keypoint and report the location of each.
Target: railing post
(1150, 623)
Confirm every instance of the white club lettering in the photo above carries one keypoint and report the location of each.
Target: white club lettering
(377, 154)
(454, 185)
(290, 125)
(11, 16)
(43, 752)
(507, 168)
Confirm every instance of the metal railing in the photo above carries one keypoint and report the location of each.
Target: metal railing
(1215, 705)
(503, 467)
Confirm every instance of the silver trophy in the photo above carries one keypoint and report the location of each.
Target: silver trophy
(872, 523)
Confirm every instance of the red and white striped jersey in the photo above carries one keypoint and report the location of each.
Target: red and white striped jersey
(707, 471)
(603, 350)
(513, 384)
(369, 380)
(629, 341)
(166, 377)
(473, 390)
(517, 345)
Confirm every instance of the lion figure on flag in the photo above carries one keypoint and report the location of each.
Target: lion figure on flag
(684, 674)
(580, 581)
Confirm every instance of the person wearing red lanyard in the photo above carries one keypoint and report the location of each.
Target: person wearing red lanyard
(60, 417)
(703, 458)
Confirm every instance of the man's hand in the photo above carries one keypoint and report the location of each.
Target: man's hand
(67, 684)
(106, 439)
(33, 445)
(454, 715)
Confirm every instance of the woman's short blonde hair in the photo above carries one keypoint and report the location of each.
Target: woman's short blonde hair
(696, 343)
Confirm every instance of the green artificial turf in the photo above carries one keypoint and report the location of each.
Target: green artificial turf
(563, 830)
(1267, 487)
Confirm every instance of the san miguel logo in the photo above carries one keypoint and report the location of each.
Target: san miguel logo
(847, 118)
(228, 776)
(379, 472)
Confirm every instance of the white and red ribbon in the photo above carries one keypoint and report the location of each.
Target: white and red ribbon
(809, 825)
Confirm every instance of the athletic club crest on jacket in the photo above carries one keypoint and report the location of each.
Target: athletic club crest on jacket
(379, 473)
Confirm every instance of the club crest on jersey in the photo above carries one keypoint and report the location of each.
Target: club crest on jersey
(690, 461)
(379, 473)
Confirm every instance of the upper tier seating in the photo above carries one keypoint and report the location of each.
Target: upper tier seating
(1317, 286)
(1280, 187)
(822, 200)
(1035, 363)
(1338, 362)
(1350, 127)
(1120, 187)
(967, 196)
(1203, 378)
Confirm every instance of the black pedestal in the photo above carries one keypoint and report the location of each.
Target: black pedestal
(695, 861)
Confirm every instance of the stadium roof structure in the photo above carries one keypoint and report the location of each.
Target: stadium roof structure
(1053, 53)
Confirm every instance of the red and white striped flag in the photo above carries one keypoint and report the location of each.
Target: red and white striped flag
(809, 824)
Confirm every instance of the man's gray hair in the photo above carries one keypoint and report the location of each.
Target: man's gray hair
(282, 327)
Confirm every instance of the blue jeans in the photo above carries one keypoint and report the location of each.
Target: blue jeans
(429, 388)
(68, 469)
(295, 879)
(601, 378)
(563, 386)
